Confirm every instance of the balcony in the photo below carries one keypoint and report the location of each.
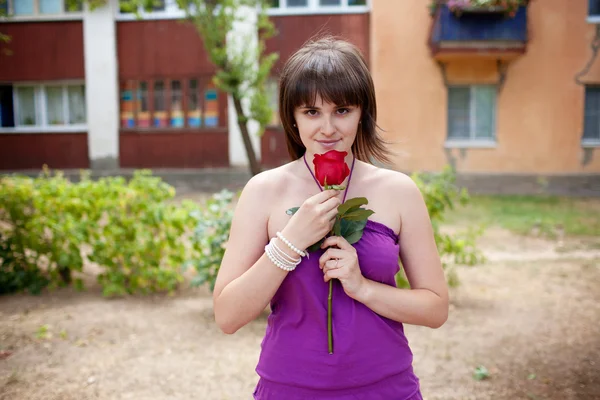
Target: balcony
(486, 33)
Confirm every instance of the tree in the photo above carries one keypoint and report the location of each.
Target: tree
(241, 71)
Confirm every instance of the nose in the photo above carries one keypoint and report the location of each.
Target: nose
(328, 128)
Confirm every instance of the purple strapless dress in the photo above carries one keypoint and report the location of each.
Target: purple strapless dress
(372, 359)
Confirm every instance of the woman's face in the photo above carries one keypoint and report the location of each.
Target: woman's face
(325, 126)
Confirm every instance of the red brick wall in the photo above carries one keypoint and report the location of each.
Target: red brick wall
(42, 51)
(174, 149)
(33, 150)
(295, 30)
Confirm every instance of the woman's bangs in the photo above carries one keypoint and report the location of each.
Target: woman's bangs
(328, 85)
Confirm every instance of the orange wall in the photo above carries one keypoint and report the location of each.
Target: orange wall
(539, 110)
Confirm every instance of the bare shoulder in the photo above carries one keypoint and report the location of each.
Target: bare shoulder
(393, 182)
(262, 188)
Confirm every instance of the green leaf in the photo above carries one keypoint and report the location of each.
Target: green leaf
(337, 227)
(352, 230)
(292, 210)
(358, 215)
(315, 246)
(352, 204)
(354, 237)
(481, 373)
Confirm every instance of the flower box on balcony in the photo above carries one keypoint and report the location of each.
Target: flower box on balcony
(482, 33)
(481, 10)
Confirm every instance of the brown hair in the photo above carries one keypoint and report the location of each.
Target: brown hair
(336, 71)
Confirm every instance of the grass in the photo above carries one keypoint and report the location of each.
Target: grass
(544, 215)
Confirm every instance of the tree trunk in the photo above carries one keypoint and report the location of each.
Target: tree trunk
(254, 166)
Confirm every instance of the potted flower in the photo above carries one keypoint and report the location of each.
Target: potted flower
(508, 7)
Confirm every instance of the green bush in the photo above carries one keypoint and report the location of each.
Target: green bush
(439, 191)
(210, 237)
(441, 195)
(131, 229)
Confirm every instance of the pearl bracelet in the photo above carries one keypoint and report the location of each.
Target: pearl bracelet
(277, 259)
(291, 246)
(283, 254)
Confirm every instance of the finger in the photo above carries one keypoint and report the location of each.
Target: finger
(331, 214)
(325, 195)
(331, 253)
(337, 241)
(331, 204)
(331, 264)
(335, 273)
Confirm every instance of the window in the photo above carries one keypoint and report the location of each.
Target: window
(297, 3)
(177, 119)
(591, 125)
(594, 8)
(211, 106)
(272, 89)
(42, 107)
(174, 103)
(194, 106)
(27, 115)
(472, 113)
(160, 107)
(127, 104)
(33, 8)
(154, 8)
(282, 7)
(143, 108)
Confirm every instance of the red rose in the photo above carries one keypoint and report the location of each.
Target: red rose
(331, 167)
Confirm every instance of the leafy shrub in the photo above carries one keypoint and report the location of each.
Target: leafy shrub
(139, 238)
(38, 227)
(131, 229)
(441, 195)
(210, 237)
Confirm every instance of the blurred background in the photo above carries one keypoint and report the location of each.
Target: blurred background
(128, 128)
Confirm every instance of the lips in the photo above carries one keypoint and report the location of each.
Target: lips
(328, 143)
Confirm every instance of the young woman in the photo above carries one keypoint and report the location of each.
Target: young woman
(327, 102)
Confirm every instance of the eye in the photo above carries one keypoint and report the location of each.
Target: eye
(343, 111)
(312, 113)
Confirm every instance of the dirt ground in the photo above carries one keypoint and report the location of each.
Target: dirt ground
(530, 316)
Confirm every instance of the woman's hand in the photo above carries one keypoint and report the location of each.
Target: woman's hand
(340, 261)
(313, 220)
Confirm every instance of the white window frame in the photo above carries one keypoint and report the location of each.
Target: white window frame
(472, 141)
(36, 16)
(41, 111)
(315, 8)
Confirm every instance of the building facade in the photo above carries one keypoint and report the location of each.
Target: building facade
(483, 91)
(104, 89)
(488, 93)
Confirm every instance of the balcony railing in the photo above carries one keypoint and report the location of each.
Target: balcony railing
(478, 33)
